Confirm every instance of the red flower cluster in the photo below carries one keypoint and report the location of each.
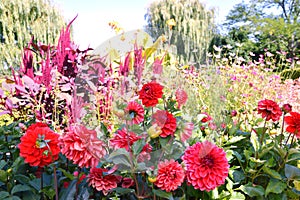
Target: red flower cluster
(269, 110)
(293, 122)
(82, 146)
(206, 166)
(102, 182)
(166, 121)
(122, 138)
(135, 111)
(150, 93)
(39, 145)
(170, 175)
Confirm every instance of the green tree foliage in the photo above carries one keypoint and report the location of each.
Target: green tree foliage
(20, 20)
(265, 24)
(194, 26)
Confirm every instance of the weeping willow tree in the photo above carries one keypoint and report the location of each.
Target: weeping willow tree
(22, 19)
(194, 26)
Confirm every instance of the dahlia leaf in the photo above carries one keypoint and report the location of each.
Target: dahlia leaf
(20, 188)
(120, 157)
(2, 164)
(70, 192)
(235, 140)
(4, 195)
(137, 146)
(272, 172)
(252, 191)
(237, 196)
(292, 172)
(294, 154)
(163, 194)
(275, 186)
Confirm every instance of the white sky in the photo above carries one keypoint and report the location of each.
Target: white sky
(91, 26)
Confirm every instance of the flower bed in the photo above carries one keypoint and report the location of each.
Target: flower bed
(142, 126)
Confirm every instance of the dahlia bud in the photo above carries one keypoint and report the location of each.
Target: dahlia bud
(154, 131)
(286, 108)
(273, 132)
(233, 113)
(152, 179)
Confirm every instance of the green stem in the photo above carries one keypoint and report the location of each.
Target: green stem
(282, 128)
(263, 133)
(55, 183)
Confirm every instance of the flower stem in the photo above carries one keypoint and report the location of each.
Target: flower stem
(55, 182)
(282, 128)
(263, 133)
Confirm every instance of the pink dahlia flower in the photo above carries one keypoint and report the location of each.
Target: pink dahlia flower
(170, 175)
(122, 138)
(102, 182)
(82, 146)
(181, 97)
(187, 131)
(206, 165)
(135, 111)
(166, 121)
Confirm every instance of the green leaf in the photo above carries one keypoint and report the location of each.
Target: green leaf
(68, 193)
(4, 195)
(234, 140)
(252, 191)
(292, 172)
(20, 188)
(238, 176)
(294, 154)
(254, 141)
(120, 157)
(122, 191)
(67, 174)
(275, 186)
(164, 141)
(163, 194)
(272, 173)
(2, 164)
(258, 161)
(49, 192)
(22, 178)
(36, 184)
(137, 147)
(237, 196)
(3, 176)
(15, 198)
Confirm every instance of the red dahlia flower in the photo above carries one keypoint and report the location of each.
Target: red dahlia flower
(150, 93)
(39, 145)
(135, 111)
(269, 110)
(102, 182)
(286, 108)
(122, 138)
(170, 175)
(293, 122)
(206, 165)
(166, 121)
(206, 118)
(82, 146)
